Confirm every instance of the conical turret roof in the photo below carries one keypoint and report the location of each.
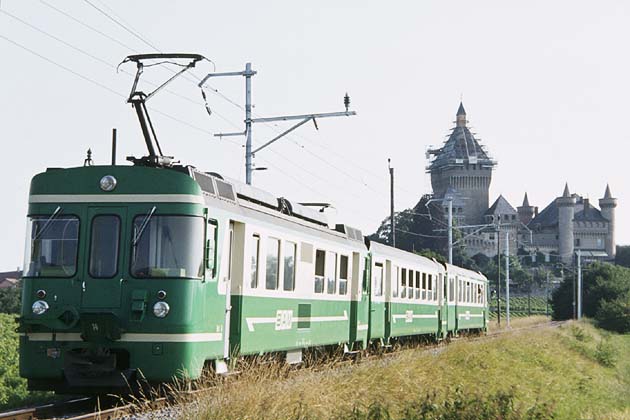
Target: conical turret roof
(461, 147)
(461, 110)
(525, 201)
(607, 194)
(566, 192)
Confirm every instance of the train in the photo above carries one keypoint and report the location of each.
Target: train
(135, 271)
(157, 270)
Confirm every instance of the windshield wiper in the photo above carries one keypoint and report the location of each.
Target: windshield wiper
(48, 222)
(144, 224)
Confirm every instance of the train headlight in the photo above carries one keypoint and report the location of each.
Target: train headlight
(160, 309)
(108, 183)
(39, 307)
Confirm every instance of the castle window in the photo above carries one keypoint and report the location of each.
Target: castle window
(577, 241)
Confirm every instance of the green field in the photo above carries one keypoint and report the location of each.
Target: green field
(572, 372)
(519, 307)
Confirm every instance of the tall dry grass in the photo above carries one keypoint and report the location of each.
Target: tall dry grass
(524, 374)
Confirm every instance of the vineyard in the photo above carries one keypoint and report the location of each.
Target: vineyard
(519, 306)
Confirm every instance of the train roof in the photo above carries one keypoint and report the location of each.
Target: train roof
(475, 275)
(403, 255)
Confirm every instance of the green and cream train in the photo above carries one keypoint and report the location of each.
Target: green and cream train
(154, 272)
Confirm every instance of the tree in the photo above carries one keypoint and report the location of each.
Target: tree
(606, 296)
(10, 300)
(622, 257)
(416, 228)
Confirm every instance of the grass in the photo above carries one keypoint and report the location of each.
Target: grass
(563, 373)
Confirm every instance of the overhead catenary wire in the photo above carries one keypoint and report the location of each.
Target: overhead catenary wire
(113, 91)
(96, 83)
(140, 37)
(110, 65)
(225, 97)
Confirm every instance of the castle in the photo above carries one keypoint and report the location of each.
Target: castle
(461, 172)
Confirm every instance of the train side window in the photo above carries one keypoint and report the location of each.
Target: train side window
(211, 247)
(418, 284)
(460, 291)
(272, 269)
(395, 274)
(343, 274)
(424, 286)
(411, 283)
(403, 282)
(468, 291)
(320, 263)
(378, 279)
(290, 249)
(451, 289)
(254, 261)
(331, 272)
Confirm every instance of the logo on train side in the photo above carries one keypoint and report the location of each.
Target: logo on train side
(284, 319)
(408, 316)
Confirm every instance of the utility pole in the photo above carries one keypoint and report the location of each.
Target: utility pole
(499, 275)
(391, 202)
(249, 121)
(579, 284)
(450, 229)
(507, 278)
(547, 295)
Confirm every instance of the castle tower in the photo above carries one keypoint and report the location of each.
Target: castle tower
(463, 165)
(525, 212)
(566, 211)
(607, 206)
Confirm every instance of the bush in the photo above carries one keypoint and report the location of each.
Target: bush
(605, 353)
(614, 315)
(456, 406)
(12, 387)
(13, 392)
(606, 296)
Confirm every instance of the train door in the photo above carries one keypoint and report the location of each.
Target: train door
(227, 278)
(389, 286)
(443, 319)
(377, 301)
(103, 272)
(359, 304)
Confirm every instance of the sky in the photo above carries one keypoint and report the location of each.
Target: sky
(545, 85)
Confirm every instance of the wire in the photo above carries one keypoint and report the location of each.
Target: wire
(106, 63)
(62, 66)
(99, 84)
(137, 35)
(420, 234)
(121, 25)
(100, 60)
(69, 16)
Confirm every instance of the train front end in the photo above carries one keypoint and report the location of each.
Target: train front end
(118, 286)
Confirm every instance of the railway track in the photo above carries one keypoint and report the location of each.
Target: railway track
(92, 408)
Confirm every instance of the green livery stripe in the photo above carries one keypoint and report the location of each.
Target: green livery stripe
(252, 321)
(116, 198)
(133, 337)
(409, 316)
